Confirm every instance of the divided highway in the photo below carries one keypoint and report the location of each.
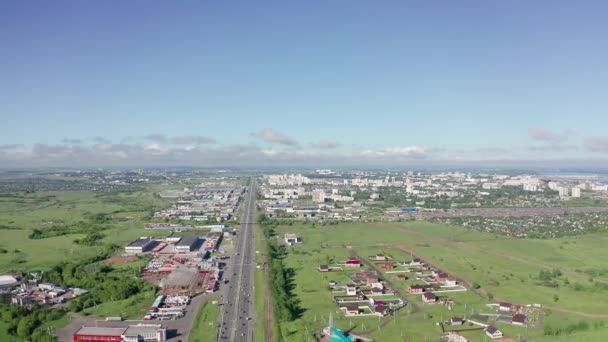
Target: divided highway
(237, 322)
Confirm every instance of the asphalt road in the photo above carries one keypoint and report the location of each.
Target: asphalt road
(237, 322)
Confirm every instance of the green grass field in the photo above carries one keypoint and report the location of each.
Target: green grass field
(205, 327)
(507, 268)
(37, 210)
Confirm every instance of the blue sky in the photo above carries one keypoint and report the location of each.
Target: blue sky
(302, 82)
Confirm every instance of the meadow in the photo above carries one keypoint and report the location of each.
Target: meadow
(119, 217)
(504, 268)
(21, 215)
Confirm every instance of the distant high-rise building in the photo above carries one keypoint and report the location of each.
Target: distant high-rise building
(318, 196)
(576, 192)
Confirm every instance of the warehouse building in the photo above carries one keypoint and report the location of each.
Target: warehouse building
(8, 282)
(131, 333)
(187, 244)
(141, 245)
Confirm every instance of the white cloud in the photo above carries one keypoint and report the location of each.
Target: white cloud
(543, 134)
(412, 151)
(157, 138)
(192, 140)
(597, 144)
(326, 145)
(273, 137)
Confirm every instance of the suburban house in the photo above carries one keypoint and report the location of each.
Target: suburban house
(518, 319)
(376, 291)
(450, 282)
(416, 262)
(493, 332)
(323, 268)
(350, 310)
(378, 257)
(429, 297)
(504, 306)
(381, 310)
(353, 262)
(291, 239)
(370, 280)
(401, 277)
(387, 266)
(457, 321)
(351, 290)
(332, 283)
(417, 289)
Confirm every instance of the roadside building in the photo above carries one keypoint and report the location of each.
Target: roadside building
(131, 333)
(99, 334)
(323, 268)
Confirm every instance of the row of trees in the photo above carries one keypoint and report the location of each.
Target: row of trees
(286, 304)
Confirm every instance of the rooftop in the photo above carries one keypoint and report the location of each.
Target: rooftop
(187, 241)
(7, 280)
(140, 242)
(101, 331)
(142, 329)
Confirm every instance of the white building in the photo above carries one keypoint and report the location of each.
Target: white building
(576, 192)
(291, 239)
(318, 196)
(139, 246)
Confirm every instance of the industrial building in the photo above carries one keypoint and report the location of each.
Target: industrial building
(187, 243)
(131, 333)
(8, 281)
(141, 245)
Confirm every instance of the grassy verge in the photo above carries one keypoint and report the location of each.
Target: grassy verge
(205, 327)
(260, 288)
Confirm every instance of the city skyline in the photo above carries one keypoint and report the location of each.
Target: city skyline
(192, 84)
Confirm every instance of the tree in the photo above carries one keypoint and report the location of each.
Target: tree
(26, 326)
(555, 298)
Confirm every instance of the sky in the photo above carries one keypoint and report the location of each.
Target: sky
(244, 83)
